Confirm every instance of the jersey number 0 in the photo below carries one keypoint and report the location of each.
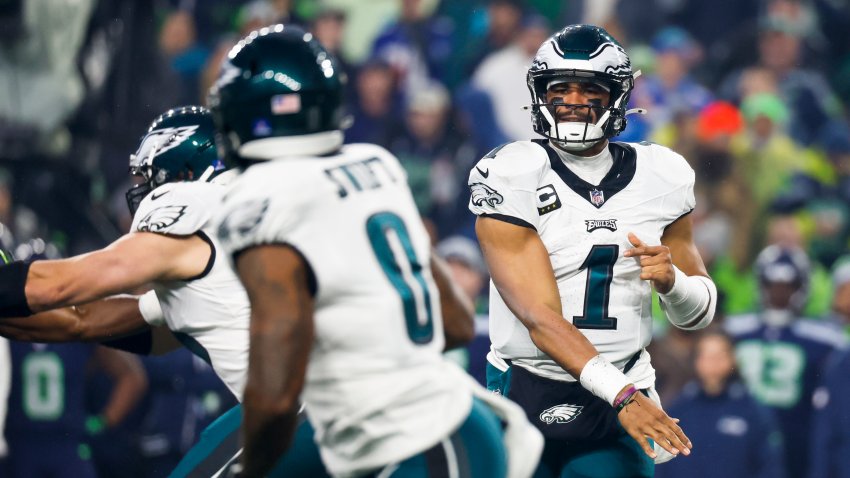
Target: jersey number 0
(405, 273)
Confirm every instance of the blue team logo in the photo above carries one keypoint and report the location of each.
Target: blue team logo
(482, 193)
(597, 197)
(564, 413)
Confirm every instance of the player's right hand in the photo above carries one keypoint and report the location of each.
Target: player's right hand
(642, 419)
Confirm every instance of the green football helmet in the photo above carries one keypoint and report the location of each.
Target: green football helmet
(581, 53)
(279, 93)
(178, 146)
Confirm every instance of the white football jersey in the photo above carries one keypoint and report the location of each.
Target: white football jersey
(377, 389)
(584, 228)
(209, 314)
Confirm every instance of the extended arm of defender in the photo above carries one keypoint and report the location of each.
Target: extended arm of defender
(275, 278)
(458, 310)
(132, 261)
(104, 319)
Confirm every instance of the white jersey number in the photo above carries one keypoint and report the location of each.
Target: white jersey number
(394, 250)
(44, 389)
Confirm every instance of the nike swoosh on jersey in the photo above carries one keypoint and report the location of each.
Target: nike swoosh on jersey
(484, 173)
(154, 197)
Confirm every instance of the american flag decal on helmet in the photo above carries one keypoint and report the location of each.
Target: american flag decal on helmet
(286, 104)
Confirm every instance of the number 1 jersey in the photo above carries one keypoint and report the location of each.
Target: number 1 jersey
(584, 228)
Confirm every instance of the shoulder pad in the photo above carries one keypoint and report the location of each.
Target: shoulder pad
(666, 162)
(736, 325)
(519, 158)
(815, 331)
(177, 208)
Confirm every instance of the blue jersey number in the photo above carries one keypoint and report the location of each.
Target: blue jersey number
(385, 230)
(600, 272)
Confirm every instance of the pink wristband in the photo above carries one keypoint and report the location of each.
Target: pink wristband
(623, 399)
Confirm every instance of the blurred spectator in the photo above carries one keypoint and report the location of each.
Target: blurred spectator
(328, 26)
(417, 46)
(376, 107)
(767, 156)
(41, 85)
(186, 57)
(48, 426)
(670, 89)
(729, 210)
(500, 77)
(820, 195)
(432, 153)
(470, 272)
(840, 313)
(781, 355)
(5, 386)
(829, 441)
(737, 437)
(781, 33)
(175, 410)
(503, 25)
(673, 355)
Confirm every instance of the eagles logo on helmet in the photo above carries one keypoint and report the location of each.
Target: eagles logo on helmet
(179, 146)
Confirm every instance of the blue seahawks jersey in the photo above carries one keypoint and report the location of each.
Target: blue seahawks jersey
(782, 366)
(48, 391)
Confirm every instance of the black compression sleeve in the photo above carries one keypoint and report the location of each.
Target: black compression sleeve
(13, 298)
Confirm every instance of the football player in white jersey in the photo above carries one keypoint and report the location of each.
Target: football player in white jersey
(345, 313)
(576, 231)
(196, 297)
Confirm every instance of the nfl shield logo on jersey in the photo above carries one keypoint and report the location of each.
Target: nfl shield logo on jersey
(596, 197)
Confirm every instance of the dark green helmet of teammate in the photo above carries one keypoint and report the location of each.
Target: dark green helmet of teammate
(279, 93)
(178, 146)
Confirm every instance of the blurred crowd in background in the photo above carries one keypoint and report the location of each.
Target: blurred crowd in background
(753, 93)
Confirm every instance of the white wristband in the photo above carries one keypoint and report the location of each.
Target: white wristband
(691, 302)
(150, 309)
(603, 379)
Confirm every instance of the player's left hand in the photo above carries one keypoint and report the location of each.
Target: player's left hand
(656, 264)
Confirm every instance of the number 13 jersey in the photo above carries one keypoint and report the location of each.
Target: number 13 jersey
(584, 228)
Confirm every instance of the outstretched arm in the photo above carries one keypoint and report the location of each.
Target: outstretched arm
(115, 321)
(132, 261)
(458, 310)
(275, 278)
(104, 319)
(522, 272)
